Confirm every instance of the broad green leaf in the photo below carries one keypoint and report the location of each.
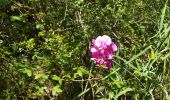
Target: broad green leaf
(16, 18)
(40, 89)
(67, 76)
(57, 79)
(56, 89)
(80, 73)
(83, 71)
(119, 84)
(41, 75)
(41, 33)
(75, 75)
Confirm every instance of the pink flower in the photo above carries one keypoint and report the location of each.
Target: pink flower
(102, 49)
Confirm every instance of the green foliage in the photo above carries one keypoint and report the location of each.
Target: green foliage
(4, 2)
(56, 89)
(44, 49)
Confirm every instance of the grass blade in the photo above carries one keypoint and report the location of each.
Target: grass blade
(139, 54)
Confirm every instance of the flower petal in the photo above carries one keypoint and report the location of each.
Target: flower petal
(98, 41)
(92, 49)
(108, 65)
(114, 47)
(106, 39)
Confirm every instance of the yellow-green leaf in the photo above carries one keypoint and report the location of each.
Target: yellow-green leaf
(152, 55)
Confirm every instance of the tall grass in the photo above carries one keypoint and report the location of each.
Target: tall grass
(145, 76)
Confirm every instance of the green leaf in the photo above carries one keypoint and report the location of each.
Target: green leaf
(16, 18)
(37, 76)
(67, 76)
(57, 79)
(75, 75)
(20, 65)
(38, 56)
(123, 92)
(28, 72)
(118, 83)
(30, 43)
(83, 70)
(40, 26)
(56, 89)
(41, 33)
(142, 29)
(79, 72)
(111, 95)
(40, 89)
(100, 89)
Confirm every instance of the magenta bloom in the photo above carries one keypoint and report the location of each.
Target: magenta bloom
(102, 50)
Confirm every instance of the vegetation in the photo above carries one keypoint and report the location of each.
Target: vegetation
(44, 49)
